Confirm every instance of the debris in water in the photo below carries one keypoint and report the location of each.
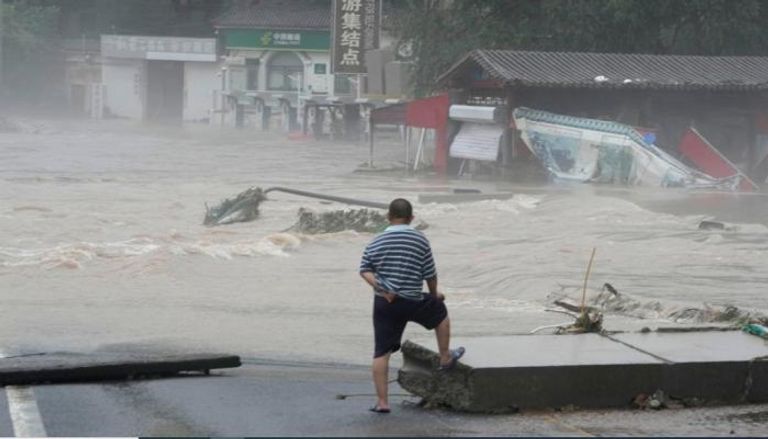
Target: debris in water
(756, 329)
(588, 321)
(657, 401)
(610, 289)
(359, 220)
(609, 300)
(244, 207)
(711, 225)
(620, 156)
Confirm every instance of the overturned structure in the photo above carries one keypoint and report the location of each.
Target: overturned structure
(722, 97)
(589, 150)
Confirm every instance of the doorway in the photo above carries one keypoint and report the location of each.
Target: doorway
(165, 92)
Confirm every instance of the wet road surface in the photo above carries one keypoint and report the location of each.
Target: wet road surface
(301, 399)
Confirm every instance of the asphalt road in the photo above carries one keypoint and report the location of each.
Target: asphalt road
(301, 399)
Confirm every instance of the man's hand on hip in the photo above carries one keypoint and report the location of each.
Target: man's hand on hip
(389, 296)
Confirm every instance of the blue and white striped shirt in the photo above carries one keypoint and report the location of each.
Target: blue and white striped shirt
(401, 259)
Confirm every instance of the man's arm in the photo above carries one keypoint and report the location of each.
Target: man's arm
(430, 274)
(371, 279)
(432, 285)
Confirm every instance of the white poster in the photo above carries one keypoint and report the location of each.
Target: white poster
(477, 141)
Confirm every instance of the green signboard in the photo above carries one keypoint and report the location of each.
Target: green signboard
(278, 39)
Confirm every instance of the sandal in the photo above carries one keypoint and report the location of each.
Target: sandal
(455, 355)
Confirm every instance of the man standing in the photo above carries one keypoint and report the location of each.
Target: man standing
(396, 264)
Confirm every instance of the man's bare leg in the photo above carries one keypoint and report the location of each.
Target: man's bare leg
(380, 380)
(443, 333)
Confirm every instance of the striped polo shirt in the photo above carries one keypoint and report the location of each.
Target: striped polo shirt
(401, 259)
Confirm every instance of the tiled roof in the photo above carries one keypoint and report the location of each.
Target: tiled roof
(613, 70)
(277, 14)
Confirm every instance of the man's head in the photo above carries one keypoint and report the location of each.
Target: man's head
(400, 211)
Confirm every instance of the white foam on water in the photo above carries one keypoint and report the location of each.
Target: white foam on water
(276, 244)
(73, 256)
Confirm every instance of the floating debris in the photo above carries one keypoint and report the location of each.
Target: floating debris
(244, 207)
(711, 225)
(359, 220)
(610, 300)
(756, 329)
(598, 151)
(588, 321)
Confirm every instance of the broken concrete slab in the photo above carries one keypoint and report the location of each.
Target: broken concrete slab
(73, 367)
(698, 347)
(499, 374)
(714, 365)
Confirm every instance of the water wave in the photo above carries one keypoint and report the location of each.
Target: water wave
(74, 255)
(516, 204)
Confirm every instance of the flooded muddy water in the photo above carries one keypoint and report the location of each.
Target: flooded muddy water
(102, 246)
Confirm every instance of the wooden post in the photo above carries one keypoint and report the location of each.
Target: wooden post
(586, 279)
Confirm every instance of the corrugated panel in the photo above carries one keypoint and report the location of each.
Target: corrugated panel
(612, 70)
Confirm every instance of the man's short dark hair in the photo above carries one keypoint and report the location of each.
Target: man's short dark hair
(400, 208)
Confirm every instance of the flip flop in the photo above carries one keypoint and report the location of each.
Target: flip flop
(376, 409)
(455, 355)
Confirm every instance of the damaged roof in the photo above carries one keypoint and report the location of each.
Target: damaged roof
(277, 14)
(615, 70)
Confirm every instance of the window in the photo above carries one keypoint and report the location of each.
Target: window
(320, 69)
(284, 72)
(251, 74)
(342, 85)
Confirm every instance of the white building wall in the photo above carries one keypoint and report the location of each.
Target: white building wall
(124, 81)
(201, 79)
(312, 83)
(318, 83)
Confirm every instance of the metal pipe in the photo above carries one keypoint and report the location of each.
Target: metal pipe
(328, 197)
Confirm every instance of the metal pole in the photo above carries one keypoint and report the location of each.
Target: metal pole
(1, 46)
(407, 147)
(371, 127)
(419, 150)
(359, 86)
(344, 200)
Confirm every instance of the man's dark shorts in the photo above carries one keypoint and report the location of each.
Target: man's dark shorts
(389, 319)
